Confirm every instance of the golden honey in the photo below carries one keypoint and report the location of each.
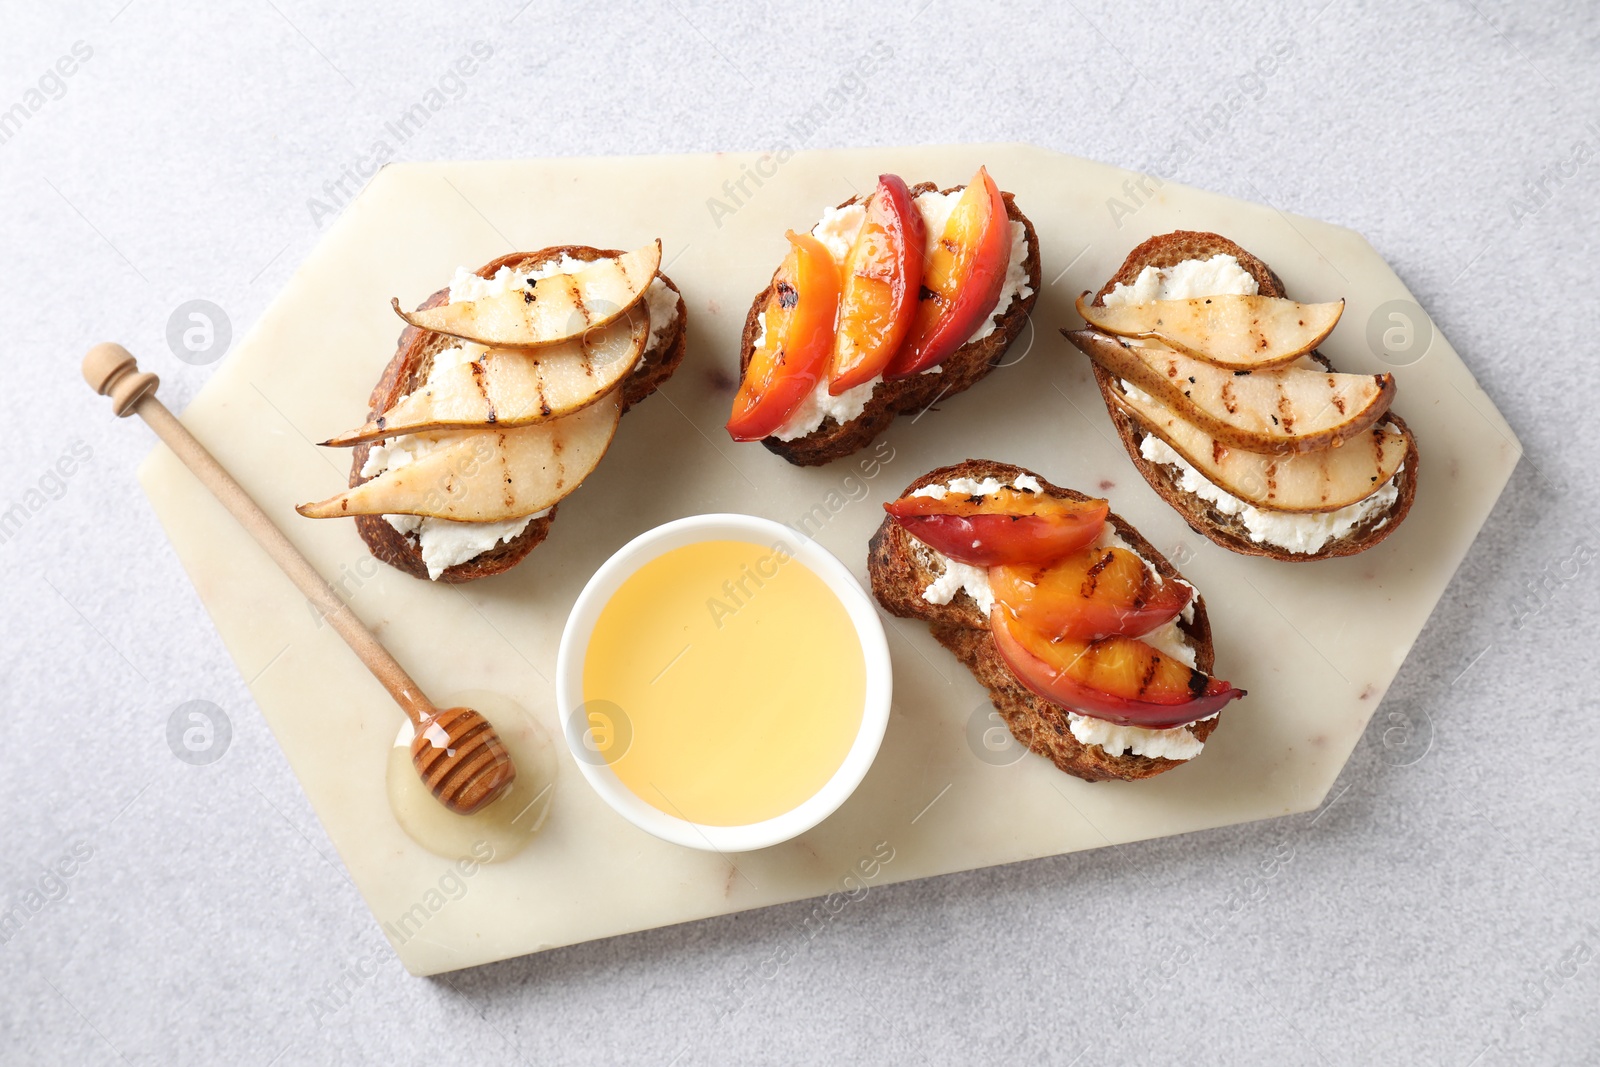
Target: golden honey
(724, 682)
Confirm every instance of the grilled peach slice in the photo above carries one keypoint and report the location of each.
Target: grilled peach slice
(1119, 679)
(793, 355)
(882, 278)
(961, 281)
(1005, 526)
(1090, 594)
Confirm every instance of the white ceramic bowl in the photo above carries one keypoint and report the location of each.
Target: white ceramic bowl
(575, 644)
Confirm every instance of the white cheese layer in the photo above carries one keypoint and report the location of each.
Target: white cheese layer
(972, 487)
(1220, 275)
(1303, 533)
(956, 578)
(837, 232)
(1178, 743)
(445, 543)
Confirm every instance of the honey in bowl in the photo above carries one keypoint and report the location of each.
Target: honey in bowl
(724, 682)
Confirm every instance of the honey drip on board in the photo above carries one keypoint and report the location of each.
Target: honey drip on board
(505, 826)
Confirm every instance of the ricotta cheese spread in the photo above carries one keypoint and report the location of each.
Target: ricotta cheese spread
(957, 578)
(1303, 533)
(837, 232)
(1220, 275)
(972, 487)
(445, 543)
(1177, 743)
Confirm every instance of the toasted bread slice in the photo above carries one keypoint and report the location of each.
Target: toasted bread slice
(900, 568)
(962, 370)
(409, 369)
(1170, 249)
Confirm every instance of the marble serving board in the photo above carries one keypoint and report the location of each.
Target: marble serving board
(1316, 645)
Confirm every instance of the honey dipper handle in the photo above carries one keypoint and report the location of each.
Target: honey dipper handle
(111, 371)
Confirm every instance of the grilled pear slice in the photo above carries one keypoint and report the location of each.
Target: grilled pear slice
(1232, 331)
(1283, 410)
(548, 310)
(508, 387)
(487, 475)
(1303, 481)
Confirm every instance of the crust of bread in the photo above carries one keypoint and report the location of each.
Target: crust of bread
(409, 368)
(965, 367)
(898, 567)
(1170, 249)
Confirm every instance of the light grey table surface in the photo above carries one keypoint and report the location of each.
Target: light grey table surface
(1441, 907)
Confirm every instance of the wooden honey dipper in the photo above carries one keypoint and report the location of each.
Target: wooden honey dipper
(461, 759)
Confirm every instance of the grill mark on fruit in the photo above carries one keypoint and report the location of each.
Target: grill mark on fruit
(1197, 684)
(577, 302)
(1338, 397)
(509, 494)
(1228, 398)
(483, 389)
(1150, 668)
(556, 446)
(1091, 577)
(1147, 588)
(1218, 451)
(1286, 409)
